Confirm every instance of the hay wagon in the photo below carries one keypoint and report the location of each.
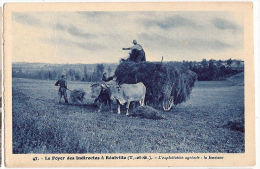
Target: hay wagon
(167, 84)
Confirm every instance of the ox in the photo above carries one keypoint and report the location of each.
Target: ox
(101, 93)
(126, 93)
(123, 94)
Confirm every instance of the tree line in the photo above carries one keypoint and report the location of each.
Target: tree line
(205, 69)
(215, 69)
(73, 74)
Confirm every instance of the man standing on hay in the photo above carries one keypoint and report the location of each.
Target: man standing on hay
(137, 53)
(62, 82)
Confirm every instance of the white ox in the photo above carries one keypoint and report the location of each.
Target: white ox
(123, 94)
(127, 93)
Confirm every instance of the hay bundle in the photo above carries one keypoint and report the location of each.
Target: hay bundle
(77, 96)
(146, 112)
(235, 124)
(165, 82)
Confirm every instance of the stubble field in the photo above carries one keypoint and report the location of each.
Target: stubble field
(211, 121)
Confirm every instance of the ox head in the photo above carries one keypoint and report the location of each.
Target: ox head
(114, 92)
(96, 89)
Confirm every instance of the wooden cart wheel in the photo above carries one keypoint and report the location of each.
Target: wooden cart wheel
(167, 104)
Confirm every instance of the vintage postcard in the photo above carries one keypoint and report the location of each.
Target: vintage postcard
(129, 84)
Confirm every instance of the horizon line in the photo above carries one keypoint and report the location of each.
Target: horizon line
(115, 62)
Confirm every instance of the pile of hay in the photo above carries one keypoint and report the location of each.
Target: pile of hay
(77, 96)
(163, 81)
(236, 125)
(146, 112)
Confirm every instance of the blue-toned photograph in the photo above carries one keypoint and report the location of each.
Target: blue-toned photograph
(128, 82)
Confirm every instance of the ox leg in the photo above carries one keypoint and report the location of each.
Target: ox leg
(100, 107)
(142, 102)
(110, 106)
(127, 108)
(118, 108)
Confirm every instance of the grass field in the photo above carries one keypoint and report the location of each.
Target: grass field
(41, 125)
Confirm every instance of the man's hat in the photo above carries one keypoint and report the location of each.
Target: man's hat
(134, 41)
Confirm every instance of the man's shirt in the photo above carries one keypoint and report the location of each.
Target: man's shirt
(137, 47)
(61, 83)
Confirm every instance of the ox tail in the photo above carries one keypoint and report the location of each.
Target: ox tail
(143, 99)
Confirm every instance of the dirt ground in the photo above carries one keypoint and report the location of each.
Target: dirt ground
(42, 125)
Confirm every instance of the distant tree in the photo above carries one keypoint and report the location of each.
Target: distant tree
(85, 73)
(204, 64)
(212, 70)
(54, 75)
(43, 75)
(109, 71)
(100, 69)
(71, 74)
(77, 76)
(238, 63)
(49, 75)
(98, 72)
(219, 63)
(222, 71)
(187, 64)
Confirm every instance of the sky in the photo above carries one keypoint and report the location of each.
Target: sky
(98, 37)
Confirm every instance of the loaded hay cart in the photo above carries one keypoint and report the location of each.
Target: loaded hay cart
(167, 84)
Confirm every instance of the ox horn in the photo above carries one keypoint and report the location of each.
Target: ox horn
(105, 85)
(94, 84)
